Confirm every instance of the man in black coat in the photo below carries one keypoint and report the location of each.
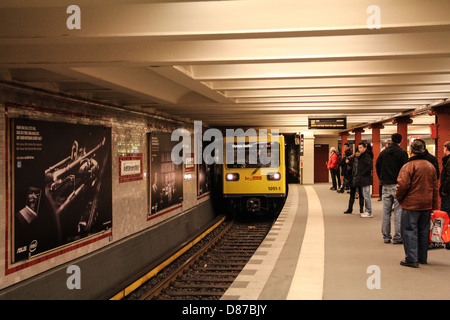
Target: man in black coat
(444, 189)
(364, 177)
(388, 165)
(351, 172)
(432, 159)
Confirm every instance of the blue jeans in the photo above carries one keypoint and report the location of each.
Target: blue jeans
(389, 200)
(415, 227)
(367, 198)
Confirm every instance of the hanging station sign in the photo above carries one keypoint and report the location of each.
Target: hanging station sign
(327, 123)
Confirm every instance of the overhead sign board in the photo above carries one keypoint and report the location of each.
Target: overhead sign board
(327, 123)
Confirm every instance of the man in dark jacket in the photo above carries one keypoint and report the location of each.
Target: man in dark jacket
(351, 162)
(343, 166)
(388, 165)
(428, 156)
(364, 177)
(417, 193)
(444, 189)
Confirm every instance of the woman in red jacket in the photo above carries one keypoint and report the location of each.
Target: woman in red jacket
(333, 166)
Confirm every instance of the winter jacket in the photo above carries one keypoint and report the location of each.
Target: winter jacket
(333, 162)
(389, 163)
(444, 189)
(364, 175)
(432, 159)
(346, 171)
(417, 187)
(342, 165)
(354, 165)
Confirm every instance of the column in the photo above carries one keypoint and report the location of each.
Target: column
(442, 121)
(376, 148)
(443, 130)
(402, 128)
(358, 133)
(344, 140)
(308, 157)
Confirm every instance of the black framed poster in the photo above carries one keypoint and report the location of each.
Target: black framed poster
(61, 184)
(166, 177)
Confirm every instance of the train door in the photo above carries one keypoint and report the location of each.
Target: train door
(320, 163)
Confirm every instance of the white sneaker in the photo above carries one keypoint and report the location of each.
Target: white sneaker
(366, 215)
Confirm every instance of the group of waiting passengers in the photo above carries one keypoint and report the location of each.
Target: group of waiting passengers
(408, 184)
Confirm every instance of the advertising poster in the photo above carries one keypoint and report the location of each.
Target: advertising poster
(204, 175)
(203, 179)
(61, 184)
(166, 178)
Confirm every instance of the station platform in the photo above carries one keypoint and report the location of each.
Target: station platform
(314, 251)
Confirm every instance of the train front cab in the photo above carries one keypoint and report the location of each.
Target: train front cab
(250, 187)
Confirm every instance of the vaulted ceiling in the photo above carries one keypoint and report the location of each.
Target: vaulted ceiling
(249, 63)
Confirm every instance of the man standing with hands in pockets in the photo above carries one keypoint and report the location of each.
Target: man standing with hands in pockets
(417, 193)
(388, 165)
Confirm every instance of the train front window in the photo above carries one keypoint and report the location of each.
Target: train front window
(253, 155)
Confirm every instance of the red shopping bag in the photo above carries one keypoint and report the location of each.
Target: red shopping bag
(439, 227)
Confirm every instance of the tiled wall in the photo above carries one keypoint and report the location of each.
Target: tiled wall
(129, 135)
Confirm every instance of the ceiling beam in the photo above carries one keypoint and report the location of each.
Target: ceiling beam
(323, 69)
(348, 82)
(222, 19)
(144, 51)
(349, 98)
(398, 89)
(141, 82)
(177, 75)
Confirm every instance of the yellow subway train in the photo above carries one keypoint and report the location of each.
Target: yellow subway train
(254, 174)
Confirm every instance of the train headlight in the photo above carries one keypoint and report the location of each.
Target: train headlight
(274, 176)
(232, 176)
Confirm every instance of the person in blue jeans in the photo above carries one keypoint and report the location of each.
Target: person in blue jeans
(417, 194)
(364, 177)
(388, 165)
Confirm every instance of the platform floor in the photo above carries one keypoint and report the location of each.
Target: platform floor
(314, 251)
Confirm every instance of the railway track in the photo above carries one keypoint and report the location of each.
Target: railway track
(208, 273)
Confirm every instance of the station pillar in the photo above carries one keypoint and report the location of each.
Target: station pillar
(376, 148)
(344, 140)
(358, 136)
(402, 128)
(442, 115)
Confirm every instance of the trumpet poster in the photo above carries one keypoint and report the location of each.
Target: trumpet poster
(61, 184)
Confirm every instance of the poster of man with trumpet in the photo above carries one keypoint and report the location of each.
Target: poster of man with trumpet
(61, 184)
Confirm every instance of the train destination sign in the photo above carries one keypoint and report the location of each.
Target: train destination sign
(327, 123)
